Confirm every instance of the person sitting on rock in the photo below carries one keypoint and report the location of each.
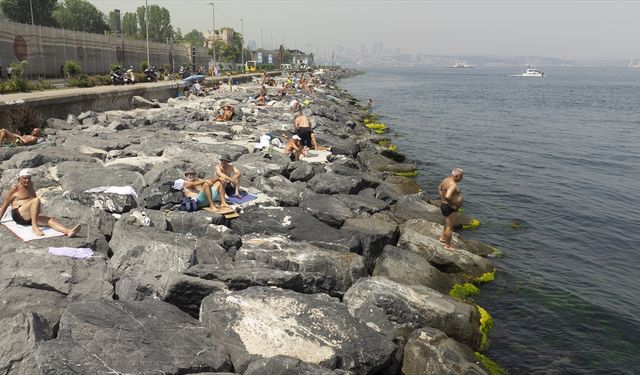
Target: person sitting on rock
(21, 140)
(294, 149)
(205, 192)
(227, 114)
(25, 207)
(302, 126)
(228, 175)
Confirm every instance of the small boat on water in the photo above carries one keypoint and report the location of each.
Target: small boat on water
(533, 73)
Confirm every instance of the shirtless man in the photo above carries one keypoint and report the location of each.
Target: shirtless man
(25, 206)
(23, 140)
(227, 115)
(228, 175)
(451, 201)
(303, 129)
(294, 149)
(205, 192)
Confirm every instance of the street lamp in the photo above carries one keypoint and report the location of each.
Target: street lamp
(242, 47)
(146, 22)
(213, 17)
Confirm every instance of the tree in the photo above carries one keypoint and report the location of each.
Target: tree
(177, 36)
(229, 52)
(114, 22)
(20, 11)
(160, 29)
(194, 37)
(130, 25)
(80, 15)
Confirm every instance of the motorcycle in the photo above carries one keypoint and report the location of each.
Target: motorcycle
(184, 72)
(116, 76)
(129, 77)
(152, 74)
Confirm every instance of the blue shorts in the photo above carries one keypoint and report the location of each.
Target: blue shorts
(202, 198)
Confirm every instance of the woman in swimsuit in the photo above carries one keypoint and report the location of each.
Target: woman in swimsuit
(25, 206)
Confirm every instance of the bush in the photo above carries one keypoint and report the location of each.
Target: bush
(113, 67)
(39, 85)
(23, 119)
(84, 80)
(71, 68)
(18, 69)
(143, 65)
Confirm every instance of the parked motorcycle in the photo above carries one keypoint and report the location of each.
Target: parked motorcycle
(184, 72)
(129, 77)
(152, 74)
(116, 76)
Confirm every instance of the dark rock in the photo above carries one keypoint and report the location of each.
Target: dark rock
(429, 350)
(326, 208)
(267, 322)
(302, 172)
(285, 365)
(187, 292)
(417, 206)
(408, 268)
(41, 155)
(254, 165)
(138, 288)
(285, 192)
(203, 224)
(331, 183)
(397, 310)
(395, 187)
(361, 204)
(130, 337)
(373, 235)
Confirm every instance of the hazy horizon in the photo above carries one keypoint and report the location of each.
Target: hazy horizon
(580, 30)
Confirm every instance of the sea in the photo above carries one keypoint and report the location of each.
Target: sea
(552, 171)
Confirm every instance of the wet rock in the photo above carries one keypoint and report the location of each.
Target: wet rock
(267, 322)
(430, 351)
(408, 268)
(397, 310)
(419, 237)
(88, 343)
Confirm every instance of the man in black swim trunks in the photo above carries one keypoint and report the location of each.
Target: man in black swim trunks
(451, 201)
(25, 207)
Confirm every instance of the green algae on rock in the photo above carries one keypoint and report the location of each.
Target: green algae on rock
(492, 367)
(462, 291)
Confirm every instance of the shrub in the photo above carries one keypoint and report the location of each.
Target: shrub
(81, 80)
(71, 68)
(144, 65)
(18, 69)
(23, 119)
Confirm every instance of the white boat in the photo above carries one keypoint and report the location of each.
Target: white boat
(533, 73)
(460, 64)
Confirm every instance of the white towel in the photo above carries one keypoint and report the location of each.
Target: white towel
(178, 184)
(72, 252)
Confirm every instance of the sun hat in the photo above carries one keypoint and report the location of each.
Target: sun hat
(190, 171)
(225, 157)
(24, 172)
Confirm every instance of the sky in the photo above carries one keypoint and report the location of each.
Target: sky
(547, 28)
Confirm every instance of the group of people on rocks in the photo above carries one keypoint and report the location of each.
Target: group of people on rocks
(207, 192)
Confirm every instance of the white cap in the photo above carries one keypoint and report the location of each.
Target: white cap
(24, 172)
(296, 137)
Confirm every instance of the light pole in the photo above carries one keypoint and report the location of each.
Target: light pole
(31, 7)
(213, 17)
(146, 22)
(242, 47)
(271, 35)
(261, 40)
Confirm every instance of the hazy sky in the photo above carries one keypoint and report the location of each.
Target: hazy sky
(553, 28)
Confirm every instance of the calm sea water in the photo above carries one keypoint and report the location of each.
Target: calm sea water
(561, 153)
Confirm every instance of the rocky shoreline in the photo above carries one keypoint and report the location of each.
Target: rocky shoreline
(335, 268)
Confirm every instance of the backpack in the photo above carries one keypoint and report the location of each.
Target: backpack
(188, 204)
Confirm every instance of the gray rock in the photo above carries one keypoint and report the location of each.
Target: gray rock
(203, 224)
(138, 288)
(397, 310)
(140, 102)
(331, 183)
(408, 268)
(421, 237)
(417, 206)
(58, 124)
(326, 208)
(267, 322)
(117, 126)
(41, 155)
(254, 165)
(430, 351)
(296, 224)
(130, 337)
(87, 114)
(374, 235)
(285, 192)
(284, 365)
(302, 172)
(395, 187)
(362, 204)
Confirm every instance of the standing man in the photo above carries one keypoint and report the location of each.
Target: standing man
(451, 201)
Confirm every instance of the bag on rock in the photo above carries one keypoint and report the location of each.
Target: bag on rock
(188, 204)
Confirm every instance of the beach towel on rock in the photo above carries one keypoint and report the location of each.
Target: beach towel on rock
(243, 198)
(24, 232)
(120, 190)
(72, 252)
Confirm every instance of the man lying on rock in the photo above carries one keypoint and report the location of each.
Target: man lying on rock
(228, 175)
(205, 192)
(25, 207)
(21, 140)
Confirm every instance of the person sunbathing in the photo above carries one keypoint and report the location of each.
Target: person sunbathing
(229, 175)
(227, 114)
(205, 192)
(21, 140)
(25, 207)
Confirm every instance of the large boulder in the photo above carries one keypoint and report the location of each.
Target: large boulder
(254, 165)
(285, 365)
(417, 206)
(285, 192)
(295, 223)
(419, 237)
(331, 183)
(322, 270)
(395, 187)
(397, 310)
(326, 208)
(186, 292)
(409, 268)
(374, 234)
(361, 204)
(267, 322)
(130, 337)
(430, 351)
